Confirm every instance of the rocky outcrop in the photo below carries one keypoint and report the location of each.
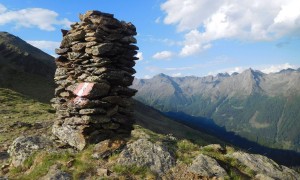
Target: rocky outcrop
(145, 153)
(23, 147)
(55, 173)
(207, 167)
(94, 69)
(262, 165)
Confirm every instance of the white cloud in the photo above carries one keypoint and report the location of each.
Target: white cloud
(231, 70)
(2, 8)
(178, 68)
(140, 56)
(177, 75)
(45, 45)
(277, 68)
(147, 77)
(163, 55)
(263, 68)
(44, 19)
(207, 21)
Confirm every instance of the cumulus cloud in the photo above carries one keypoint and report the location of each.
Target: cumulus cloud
(277, 68)
(206, 21)
(140, 56)
(44, 45)
(43, 19)
(163, 55)
(263, 68)
(231, 70)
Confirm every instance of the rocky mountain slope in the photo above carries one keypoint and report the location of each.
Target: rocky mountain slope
(264, 108)
(23, 66)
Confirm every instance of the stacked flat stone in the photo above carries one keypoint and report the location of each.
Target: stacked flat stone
(94, 70)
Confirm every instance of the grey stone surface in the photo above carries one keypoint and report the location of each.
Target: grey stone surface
(69, 135)
(23, 147)
(263, 165)
(55, 173)
(207, 167)
(145, 153)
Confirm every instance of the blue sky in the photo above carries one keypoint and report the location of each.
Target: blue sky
(177, 37)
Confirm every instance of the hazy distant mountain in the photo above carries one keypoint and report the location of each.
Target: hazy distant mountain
(261, 107)
(23, 66)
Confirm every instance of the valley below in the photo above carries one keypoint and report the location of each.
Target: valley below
(254, 107)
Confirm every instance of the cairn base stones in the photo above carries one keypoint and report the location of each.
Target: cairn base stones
(94, 71)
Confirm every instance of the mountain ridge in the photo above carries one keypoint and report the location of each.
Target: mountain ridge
(251, 101)
(23, 66)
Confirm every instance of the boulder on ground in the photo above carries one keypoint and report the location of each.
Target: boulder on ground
(55, 173)
(23, 147)
(145, 153)
(207, 167)
(262, 165)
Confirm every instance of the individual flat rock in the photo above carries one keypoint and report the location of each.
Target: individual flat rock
(119, 90)
(79, 47)
(92, 111)
(207, 167)
(91, 90)
(76, 121)
(145, 153)
(79, 35)
(263, 165)
(96, 119)
(101, 49)
(61, 72)
(23, 147)
(62, 51)
(69, 135)
(106, 148)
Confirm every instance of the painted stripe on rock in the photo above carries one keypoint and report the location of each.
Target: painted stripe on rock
(83, 89)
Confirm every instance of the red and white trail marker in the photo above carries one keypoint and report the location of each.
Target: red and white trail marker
(84, 89)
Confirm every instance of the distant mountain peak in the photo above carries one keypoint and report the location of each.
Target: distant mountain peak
(288, 70)
(161, 75)
(223, 74)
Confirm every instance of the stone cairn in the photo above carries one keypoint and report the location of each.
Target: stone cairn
(94, 70)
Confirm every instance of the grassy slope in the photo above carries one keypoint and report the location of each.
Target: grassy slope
(34, 86)
(152, 119)
(17, 107)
